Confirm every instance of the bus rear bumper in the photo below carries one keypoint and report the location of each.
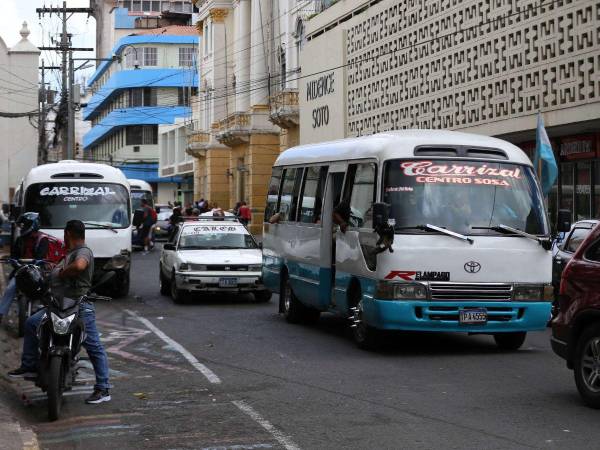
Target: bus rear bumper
(444, 316)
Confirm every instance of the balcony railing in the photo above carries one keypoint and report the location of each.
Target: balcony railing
(284, 108)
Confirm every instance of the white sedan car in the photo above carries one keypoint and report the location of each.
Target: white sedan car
(208, 255)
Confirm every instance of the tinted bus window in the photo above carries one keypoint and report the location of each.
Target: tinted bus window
(273, 193)
(312, 194)
(289, 194)
(104, 204)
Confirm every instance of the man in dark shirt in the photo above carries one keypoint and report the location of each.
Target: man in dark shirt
(72, 277)
(31, 244)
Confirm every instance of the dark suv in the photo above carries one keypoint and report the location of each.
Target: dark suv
(568, 247)
(576, 328)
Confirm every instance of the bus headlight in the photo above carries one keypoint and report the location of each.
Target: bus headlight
(400, 291)
(533, 293)
(255, 268)
(184, 266)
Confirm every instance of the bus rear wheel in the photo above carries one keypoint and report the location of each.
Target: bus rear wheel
(293, 310)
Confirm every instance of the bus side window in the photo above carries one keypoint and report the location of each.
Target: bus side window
(312, 194)
(273, 193)
(289, 194)
(361, 187)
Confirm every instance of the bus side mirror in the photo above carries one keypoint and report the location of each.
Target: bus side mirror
(563, 221)
(381, 215)
(15, 212)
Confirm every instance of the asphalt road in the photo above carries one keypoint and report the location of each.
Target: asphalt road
(228, 373)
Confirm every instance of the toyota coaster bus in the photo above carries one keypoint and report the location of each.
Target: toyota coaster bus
(140, 189)
(96, 194)
(410, 230)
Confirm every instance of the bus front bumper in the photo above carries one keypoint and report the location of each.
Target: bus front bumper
(418, 315)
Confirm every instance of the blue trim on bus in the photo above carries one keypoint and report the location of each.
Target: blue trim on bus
(311, 285)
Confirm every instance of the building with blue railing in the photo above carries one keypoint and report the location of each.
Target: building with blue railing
(148, 82)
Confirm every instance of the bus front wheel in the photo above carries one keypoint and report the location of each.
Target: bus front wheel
(365, 336)
(510, 341)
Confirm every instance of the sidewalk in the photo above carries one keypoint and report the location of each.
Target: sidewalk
(12, 435)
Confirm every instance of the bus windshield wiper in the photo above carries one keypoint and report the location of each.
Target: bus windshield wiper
(434, 228)
(515, 231)
(101, 225)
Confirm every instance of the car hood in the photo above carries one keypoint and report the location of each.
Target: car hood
(235, 256)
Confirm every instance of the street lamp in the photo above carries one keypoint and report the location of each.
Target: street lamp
(136, 62)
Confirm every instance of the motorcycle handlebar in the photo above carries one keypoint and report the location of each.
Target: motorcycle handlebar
(95, 297)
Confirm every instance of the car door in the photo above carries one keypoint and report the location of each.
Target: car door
(566, 251)
(168, 256)
(591, 275)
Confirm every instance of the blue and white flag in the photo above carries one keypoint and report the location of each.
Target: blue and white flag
(543, 161)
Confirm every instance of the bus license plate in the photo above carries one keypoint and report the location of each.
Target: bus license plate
(472, 316)
(228, 282)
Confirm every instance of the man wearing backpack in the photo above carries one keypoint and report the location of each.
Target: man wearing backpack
(148, 221)
(31, 244)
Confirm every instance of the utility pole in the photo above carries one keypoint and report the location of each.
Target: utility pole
(42, 159)
(71, 110)
(66, 97)
(42, 144)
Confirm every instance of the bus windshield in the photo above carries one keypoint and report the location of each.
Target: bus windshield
(106, 204)
(137, 196)
(467, 197)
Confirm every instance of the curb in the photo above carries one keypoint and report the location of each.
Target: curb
(13, 435)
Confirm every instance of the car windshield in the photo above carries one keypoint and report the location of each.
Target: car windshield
(137, 196)
(467, 197)
(209, 237)
(105, 204)
(164, 214)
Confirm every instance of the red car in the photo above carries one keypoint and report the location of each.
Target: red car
(576, 328)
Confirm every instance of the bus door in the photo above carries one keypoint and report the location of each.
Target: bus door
(333, 195)
(355, 248)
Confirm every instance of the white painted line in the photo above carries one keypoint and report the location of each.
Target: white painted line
(209, 374)
(278, 435)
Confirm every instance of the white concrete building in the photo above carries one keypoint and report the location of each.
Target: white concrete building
(248, 58)
(18, 94)
(480, 67)
(174, 160)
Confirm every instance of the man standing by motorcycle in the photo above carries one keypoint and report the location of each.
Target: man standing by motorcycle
(72, 277)
(31, 244)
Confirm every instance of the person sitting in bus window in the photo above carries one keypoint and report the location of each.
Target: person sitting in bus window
(341, 216)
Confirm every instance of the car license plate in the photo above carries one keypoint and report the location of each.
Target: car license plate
(228, 282)
(472, 316)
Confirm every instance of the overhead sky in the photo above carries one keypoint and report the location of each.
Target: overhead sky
(14, 12)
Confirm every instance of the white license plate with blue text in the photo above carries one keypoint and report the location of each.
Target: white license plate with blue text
(473, 316)
(228, 282)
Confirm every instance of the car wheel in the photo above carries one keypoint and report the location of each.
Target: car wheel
(262, 296)
(176, 294)
(587, 366)
(510, 341)
(165, 288)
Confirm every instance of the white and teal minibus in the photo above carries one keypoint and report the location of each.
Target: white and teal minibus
(416, 230)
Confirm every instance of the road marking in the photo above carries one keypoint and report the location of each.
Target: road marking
(209, 374)
(268, 426)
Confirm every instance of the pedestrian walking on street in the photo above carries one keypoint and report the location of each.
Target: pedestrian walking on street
(148, 221)
(244, 214)
(72, 277)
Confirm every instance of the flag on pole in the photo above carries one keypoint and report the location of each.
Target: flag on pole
(543, 161)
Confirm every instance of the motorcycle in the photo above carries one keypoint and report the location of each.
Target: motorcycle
(25, 305)
(60, 335)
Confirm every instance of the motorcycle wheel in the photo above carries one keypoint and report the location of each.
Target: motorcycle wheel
(23, 306)
(55, 390)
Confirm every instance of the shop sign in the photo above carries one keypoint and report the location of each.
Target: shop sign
(577, 147)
